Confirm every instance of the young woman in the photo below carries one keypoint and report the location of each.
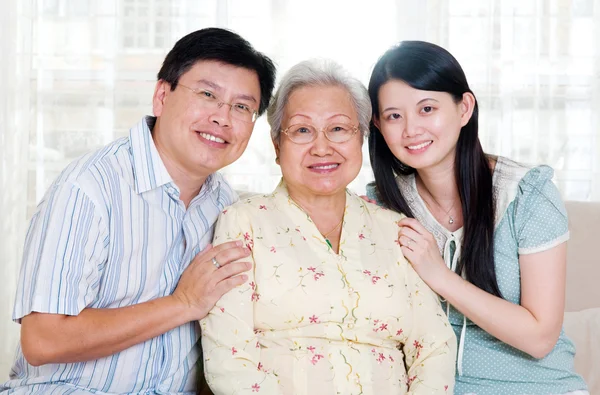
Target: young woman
(486, 233)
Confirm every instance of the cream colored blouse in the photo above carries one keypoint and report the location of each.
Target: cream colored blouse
(310, 321)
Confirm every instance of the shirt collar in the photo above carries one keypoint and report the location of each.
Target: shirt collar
(148, 168)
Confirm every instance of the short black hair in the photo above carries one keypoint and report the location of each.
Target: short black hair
(223, 46)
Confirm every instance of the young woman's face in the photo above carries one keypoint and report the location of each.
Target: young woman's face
(421, 127)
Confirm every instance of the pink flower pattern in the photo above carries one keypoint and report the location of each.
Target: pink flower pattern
(316, 358)
(372, 277)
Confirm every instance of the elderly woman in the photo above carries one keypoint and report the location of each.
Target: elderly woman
(332, 306)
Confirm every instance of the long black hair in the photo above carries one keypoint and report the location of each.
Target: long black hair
(426, 66)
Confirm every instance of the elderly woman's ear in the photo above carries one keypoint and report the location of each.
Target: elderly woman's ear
(276, 146)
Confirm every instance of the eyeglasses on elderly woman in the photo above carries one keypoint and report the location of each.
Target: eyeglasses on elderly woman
(303, 133)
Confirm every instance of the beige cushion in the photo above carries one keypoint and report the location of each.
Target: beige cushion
(583, 259)
(583, 327)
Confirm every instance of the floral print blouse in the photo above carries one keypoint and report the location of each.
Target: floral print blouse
(310, 321)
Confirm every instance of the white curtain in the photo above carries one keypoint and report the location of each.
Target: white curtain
(78, 74)
(16, 111)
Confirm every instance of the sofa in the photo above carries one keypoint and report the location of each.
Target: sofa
(582, 307)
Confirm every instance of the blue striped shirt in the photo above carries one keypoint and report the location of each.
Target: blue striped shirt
(111, 232)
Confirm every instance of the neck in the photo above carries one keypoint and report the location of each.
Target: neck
(440, 183)
(320, 206)
(325, 211)
(189, 182)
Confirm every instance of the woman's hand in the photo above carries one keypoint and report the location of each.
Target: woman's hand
(366, 199)
(420, 249)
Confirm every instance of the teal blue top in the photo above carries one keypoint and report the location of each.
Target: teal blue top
(530, 218)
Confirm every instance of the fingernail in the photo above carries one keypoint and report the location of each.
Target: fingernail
(238, 243)
(244, 277)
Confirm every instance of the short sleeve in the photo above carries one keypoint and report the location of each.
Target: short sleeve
(372, 193)
(64, 246)
(540, 216)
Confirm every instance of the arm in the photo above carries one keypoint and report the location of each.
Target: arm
(97, 333)
(540, 228)
(532, 327)
(66, 243)
(230, 347)
(430, 349)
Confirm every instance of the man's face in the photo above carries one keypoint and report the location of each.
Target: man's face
(196, 138)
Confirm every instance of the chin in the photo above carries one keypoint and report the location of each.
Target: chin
(328, 189)
(419, 163)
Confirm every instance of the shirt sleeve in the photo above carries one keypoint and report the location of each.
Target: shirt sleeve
(540, 216)
(371, 189)
(66, 243)
(230, 347)
(430, 350)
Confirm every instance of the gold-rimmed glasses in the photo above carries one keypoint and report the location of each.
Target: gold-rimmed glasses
(210, 101)
(304, 133)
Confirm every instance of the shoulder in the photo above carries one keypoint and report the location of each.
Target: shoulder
(375, 212)
(526, 187)
(516, 182)
(93, 172)
(113, 157)
(253, 203)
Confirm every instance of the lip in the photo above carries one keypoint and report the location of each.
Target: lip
(212, 143)
(425, 145)
(324, 167)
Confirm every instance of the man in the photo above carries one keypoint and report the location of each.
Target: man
(118, 268)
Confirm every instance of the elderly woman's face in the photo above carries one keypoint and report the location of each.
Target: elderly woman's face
(320, 167)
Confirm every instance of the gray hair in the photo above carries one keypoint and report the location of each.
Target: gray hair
(318, 72)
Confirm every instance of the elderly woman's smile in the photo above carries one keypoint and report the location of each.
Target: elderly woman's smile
(326, 167)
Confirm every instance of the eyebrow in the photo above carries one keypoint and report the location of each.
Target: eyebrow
(420, 101)
(218, 88)
(333, 116)
(246, 97)
(339, 115)
(427, 98)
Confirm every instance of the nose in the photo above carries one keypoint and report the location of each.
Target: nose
(221, 115)
(321, 146)
(412, 127)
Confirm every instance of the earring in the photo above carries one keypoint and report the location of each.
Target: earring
(277, 159)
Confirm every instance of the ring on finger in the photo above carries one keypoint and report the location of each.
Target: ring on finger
(216, 263)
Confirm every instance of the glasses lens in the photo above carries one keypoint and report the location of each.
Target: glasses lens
(243, 112)
(301, 134)
(238, 111)
(340, 132)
